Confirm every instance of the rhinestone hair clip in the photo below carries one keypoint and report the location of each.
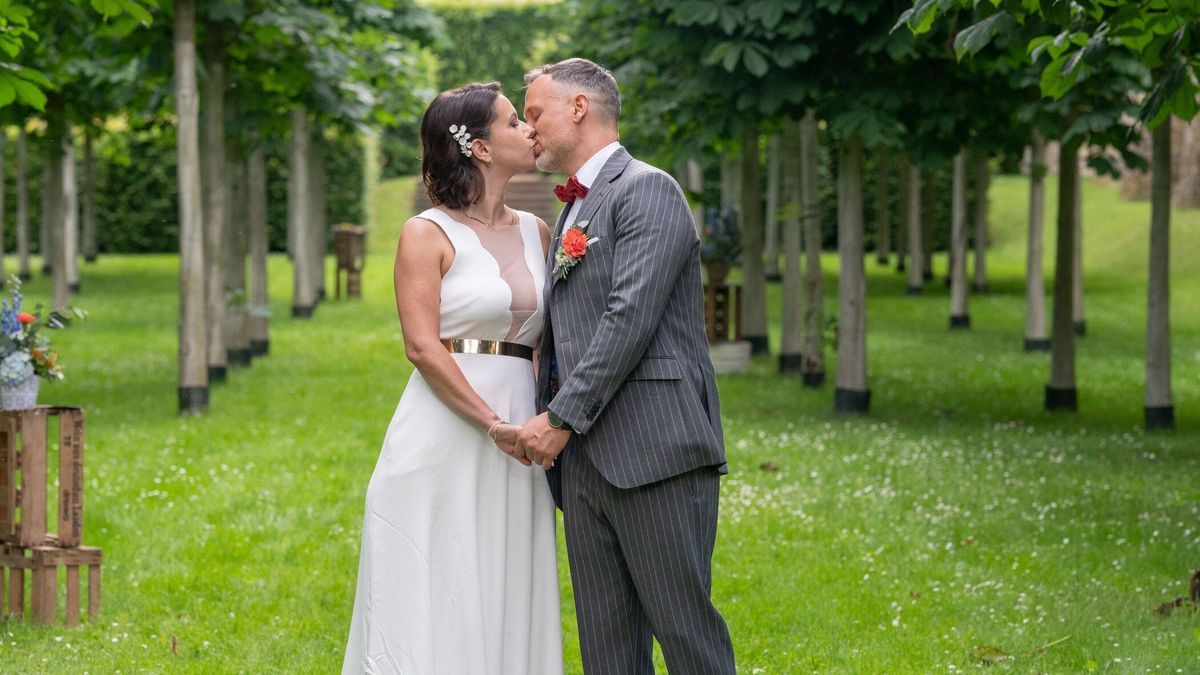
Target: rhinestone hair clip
(464, 139)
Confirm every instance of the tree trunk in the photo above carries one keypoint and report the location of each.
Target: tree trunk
(45, 233)
(49, 204)
(193, 364)
(883, 211)
(1060, 393)
(902, 221)
(304, 296)
(1036, 338)
(754, 290)
(90, 249)
(1160, 409)
(256, 217)
(731, 182)
(55, 214)
(982, 181)
(237, 338)
(929, 198)
(319, 219)
(771, 247)
(23, 206)
(916, 254)
(813, 368)
(215, 200)
(852, 394)
(69, 241)
(1077, 316)
(959, 316)
(789, 149)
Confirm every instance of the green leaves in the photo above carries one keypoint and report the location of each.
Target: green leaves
(976, 36)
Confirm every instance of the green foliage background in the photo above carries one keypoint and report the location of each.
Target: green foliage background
(137, 196)
(493, 41)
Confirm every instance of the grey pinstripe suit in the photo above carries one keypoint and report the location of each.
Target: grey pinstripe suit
(638, 481)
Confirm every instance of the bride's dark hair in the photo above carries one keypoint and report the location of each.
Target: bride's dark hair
(451, 178)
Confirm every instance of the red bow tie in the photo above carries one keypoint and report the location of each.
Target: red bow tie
(571, 191)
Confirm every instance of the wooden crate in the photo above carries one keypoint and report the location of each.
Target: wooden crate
(24, 452)
(722, 312)
(40, 564)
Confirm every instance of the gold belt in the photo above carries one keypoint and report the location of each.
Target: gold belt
(497, 347)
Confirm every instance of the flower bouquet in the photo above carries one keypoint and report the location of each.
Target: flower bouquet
(25, 352)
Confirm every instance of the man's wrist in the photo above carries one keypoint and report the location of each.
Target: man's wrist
(557, 422)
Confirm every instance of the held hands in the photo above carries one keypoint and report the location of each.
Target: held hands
(504, 435)
(540, 442)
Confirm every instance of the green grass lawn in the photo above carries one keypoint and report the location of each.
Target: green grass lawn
(956, 523)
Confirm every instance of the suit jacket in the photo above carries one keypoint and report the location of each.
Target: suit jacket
(627, 328)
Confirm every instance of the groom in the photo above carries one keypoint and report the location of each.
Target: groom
(632, 429)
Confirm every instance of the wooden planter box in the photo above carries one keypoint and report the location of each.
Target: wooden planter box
(24, 477)
(40, 564)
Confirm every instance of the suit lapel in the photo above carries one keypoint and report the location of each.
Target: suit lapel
(599, 191)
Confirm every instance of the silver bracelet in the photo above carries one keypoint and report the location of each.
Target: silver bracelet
(493, 428)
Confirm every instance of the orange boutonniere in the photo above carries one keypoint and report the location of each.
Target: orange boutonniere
(572, 249)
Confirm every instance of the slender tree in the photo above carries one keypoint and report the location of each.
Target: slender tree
(982, 175)
(1036, 337)
(813, 367)
(852, 394)
(237, 337)
(69, 240)
(916, 253)
(789, 150)
(754, 292)
(56, 141)
(1078, 319)
(772, 219)
(319, 220)
(215, 199)
(298, 206)
(883, 211)
(23, 206)
(1160, 408)
(256, 216)
(193, 361)
(1060, 392)
(959, 317)
(90, 248)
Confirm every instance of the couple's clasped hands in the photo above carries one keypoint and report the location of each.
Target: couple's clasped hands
(535, 441)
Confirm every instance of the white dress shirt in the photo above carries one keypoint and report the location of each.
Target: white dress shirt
(587, 175)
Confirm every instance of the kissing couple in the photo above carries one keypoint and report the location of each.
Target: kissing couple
(563, 366)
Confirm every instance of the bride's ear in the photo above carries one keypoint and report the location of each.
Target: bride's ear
(480, 151)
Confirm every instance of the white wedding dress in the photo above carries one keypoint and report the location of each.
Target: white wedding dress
(458, 570)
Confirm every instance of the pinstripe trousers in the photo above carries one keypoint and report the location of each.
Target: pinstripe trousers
(641, 566)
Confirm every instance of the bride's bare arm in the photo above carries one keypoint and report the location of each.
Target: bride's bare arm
(423, 256)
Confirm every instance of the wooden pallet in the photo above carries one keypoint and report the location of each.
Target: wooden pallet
(23, 452)
(41, 564)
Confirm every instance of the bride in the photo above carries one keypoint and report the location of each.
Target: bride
(458, 570)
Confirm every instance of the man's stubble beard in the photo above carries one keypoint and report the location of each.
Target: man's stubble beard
(548, 161)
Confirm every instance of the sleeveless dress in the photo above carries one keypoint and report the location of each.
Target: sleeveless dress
(458, 569)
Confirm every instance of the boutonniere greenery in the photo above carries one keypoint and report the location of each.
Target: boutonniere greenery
(572, 249)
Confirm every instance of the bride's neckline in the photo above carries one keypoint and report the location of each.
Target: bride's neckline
(479, 224)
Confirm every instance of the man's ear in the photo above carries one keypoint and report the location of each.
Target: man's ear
(579, 107)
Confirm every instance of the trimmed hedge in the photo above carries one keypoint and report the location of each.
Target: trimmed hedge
(137, 196)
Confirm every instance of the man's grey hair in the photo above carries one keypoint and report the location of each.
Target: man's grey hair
(592, 78)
